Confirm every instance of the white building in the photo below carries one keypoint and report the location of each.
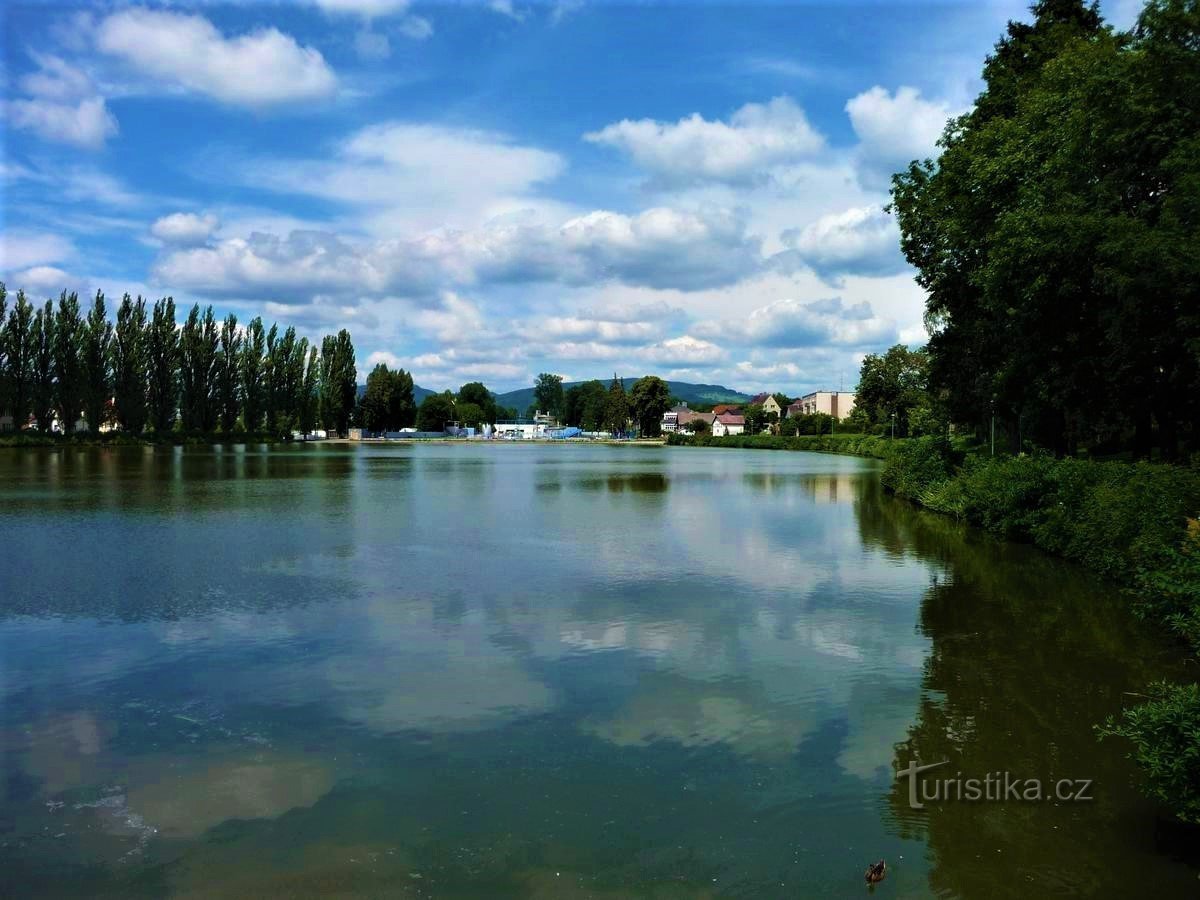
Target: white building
(728, 423)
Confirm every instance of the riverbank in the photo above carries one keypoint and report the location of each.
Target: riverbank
(868, 445)
(1134, 523)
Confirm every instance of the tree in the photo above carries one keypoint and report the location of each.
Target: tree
(476, 393)
(162, 357)
(251, 364)
(3, 347)
(387, 402)
(309, 397)
(68, 363)
(42, 341)
(616, 408)
(435, 411)
(756, 418)
(198, 342)
(469, 415)
(548, 394)
(18, 355)
(894, 383)
(784, 402)
(228, 375)
(339, 381)
(272, 375)
(649, 398)
(130, 368)
(696, 426)
(96, 357)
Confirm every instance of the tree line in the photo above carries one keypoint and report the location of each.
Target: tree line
(1057, 235)
(146, 373)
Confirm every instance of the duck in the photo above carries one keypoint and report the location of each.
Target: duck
(876, 872)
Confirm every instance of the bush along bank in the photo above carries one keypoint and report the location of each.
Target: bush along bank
(852, 444)
(1134, 523)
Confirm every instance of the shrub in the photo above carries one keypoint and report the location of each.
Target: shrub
(1165, 732)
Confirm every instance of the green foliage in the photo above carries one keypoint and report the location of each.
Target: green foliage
(68, 362)
(95, 359)
(339, 381)
(228, 374)
(616, 407)
(162, 351)
(585, 404)
(648, 400)
(548, 394)
(387, 403)
(436, 410)
(1165, 733)
(42, 345)
(852, 444)
(130, 369)
(893, 384)
(252, 375)
(476, 393)
(198, 340)
(17, 359)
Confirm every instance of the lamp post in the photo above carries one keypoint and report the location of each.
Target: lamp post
(993, 426)
(893, 426)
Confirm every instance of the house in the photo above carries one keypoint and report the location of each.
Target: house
(771, 405)
(838, 404)
(728, 423)
(722, 408)
(670, 419)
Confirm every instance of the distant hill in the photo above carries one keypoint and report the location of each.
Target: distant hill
(683, 390)
(522, 398)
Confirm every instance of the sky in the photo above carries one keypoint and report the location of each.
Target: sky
(489, 190)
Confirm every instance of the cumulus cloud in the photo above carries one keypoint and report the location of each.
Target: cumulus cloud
(657, 248)
(756, 137)
(796, 324)
(63, 105)
(894, 129)
(261, 68)
(184, 229)
(43, 280)
(20, 249)
(860, 241)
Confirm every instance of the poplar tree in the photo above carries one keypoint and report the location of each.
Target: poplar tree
(162, 353)
(130, 370)
(198, 342)
(339, 381)
(97, 383)
(68, 363)
(251, 372)
(229, 358)
(18, 352)
(42, 342)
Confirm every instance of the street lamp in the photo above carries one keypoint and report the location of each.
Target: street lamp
(893, 426)
(993, 425)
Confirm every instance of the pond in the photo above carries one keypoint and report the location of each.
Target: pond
(549, 671)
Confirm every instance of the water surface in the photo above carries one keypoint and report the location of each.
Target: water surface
(541, 671)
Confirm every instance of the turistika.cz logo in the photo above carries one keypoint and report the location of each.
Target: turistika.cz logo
(995, 787)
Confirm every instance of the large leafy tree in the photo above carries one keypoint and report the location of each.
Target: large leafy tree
(3, 348)
(1057, 235)
(476, 393)
(18, 355)
(387, 402)
(649, 398)
(435, 411)
(894, 383)
(548, 394)
(42, 342)
(309, 394)
(130, 369)
(162, 359)
(68, 361)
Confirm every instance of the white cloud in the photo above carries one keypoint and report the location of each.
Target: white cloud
(862, 240)
(657, 248)
(796, 323)
(756, 137)
(43, 281)
(506, 8)
(257, 69)
(56, 79)
(894, 129)
(368, 9)
(370, 45)
(184, 229)
(87, 123)
(20, 249)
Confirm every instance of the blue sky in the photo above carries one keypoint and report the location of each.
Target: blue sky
(485, 191)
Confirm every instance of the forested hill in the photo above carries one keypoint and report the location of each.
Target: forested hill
(683, 390)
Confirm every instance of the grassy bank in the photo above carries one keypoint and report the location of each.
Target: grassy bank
(1135, 524)
(852, 444)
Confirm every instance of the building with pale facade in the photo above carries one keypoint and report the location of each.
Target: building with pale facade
(838, 404)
